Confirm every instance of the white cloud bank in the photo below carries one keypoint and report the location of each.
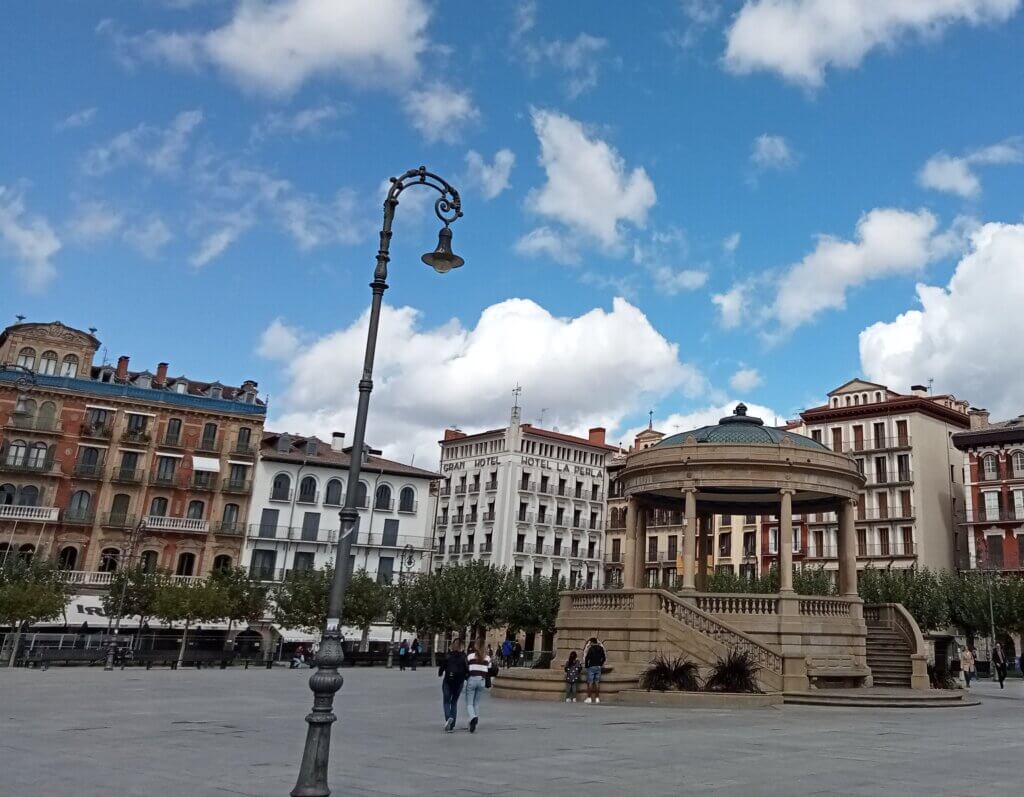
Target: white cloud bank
(426, 379)
(28, 240)
(745, 380)
(771, 152)
(967, 335)
(801, 39)
(490, 178)
(955, 174)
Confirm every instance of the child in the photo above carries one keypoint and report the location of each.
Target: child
(573, 667)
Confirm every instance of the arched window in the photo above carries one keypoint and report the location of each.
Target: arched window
(222, 563)
(383, 498)
(78, 506)
(407, 500)
(47, 415)
(27, 358)
(16, 452)
(848, 401)
(230, 515)
(108, 560)
(856, 400)
(196, 509)
(36, 455)
(28, 495)
(25, 406)
(333, 493)
(48, 363)
(149, 561)
(90, 457)
(26, 551)
(119, 509)
(186, 564)
(878, 395)
(282, 488)
(991, 467)
(361, 494)
(68, 558)
(307, 490)
(70, 366)
(7, 494)
(1018, 464)
(158, 507)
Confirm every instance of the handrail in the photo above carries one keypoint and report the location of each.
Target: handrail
(896, 617)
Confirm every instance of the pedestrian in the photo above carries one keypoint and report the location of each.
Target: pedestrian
(573, 667)
(517, 653)
(454, 670)
(479, 680)
(414, 650)
(298, 657)
(967, 665)
(490, 653)
(403, 651)
(506, 653)
(593, 661)
(999, 662)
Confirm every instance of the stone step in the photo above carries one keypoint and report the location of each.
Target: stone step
(886, 697)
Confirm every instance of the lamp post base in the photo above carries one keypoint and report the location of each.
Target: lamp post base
(324, 683)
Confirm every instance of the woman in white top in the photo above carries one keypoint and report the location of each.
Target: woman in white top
(479, 680)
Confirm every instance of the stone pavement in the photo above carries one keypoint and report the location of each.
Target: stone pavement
(79, 732)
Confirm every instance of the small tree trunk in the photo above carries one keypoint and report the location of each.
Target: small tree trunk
(181, 650)
(14, 645)
(364, 641)
(227, 636)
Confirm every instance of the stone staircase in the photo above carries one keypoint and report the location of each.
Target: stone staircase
(888, 657)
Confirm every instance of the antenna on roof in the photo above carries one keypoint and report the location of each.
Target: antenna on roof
(106, 359)
(930, 383)
(20, 318)
(515, 392)
(542, 411)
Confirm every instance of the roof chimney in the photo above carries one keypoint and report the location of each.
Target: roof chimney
(919, 390)
(453, 434)
(122, 368)
(337, 441)
(979, 418)
(161, 375)
(596, 435)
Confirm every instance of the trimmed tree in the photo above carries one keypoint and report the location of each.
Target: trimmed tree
(301, 599)
(366, 602)
(139, 589)
(188, 603)
(30, 592)
(242, 599)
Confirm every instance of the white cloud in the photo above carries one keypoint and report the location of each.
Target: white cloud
(278, 341)
(745, 380)
(732, 305)
(578, 378)
(578, 59)
(672, 282)
(659, 256)
(304, 122)
(731, 243)
(82, 118)
(94, 221)
(159, 149)
(700, 15)
(588, 187)
(216, 242)
(275, 46)
(771, 152)
(440, 112)
(28, 239)
(966, 336)
(148, 236)
(954, 174)
(801, 39)
(549, 242)
(490, 178)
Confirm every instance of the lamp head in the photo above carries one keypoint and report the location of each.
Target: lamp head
(443, 259)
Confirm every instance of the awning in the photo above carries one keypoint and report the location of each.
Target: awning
(296, 634)
(207, 464)
(379, 632)
(89, 609)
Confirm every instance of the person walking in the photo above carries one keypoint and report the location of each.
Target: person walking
(517, 653)
(454, 670)
(593, 660)
(403, 652)
(999, 662)
(479, 680)
(506, 653)
(414, 650)
(967, 665)
(572, 668)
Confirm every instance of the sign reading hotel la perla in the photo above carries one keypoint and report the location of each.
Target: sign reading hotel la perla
(560, 467)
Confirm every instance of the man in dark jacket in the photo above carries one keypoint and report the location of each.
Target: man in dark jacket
(593, 662)
(454, 671)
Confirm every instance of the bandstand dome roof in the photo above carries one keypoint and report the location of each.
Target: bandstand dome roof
(741, 429)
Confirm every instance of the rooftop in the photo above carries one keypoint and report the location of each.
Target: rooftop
(741, 429)
(283, 447)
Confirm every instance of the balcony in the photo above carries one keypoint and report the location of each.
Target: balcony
(653, 557)
(460, 489)
(472, 518)
(544, 489)
(487, 517)
(526, 548)
(179, 524)
(525, 517)
(244, 448)
(281, 495)
(33, 423)
(208, 445)
(42, 514)
(202, 480)
(43, 467)
(163, 479)
(467, 547)
(457, 520)
(875, 444)
(96, 431)
(172, 441)
(236, 486)
(230, 528)
(993, 515)
(894, 549)
(885, 513)
(139, 436)
(544, 520)
(453, 548)
(474, 487)
(78, 517)
(409, 509)
(597, 497)
(126, 475)
(900, 477)
(491, 486)
(486, 548)
(527, 487)
(118, 520)
(444, 492)
(823, 552)
(384, 506)
(84, 471)
(308, 498)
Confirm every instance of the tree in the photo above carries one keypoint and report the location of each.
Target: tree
(301, 599)
(30, 592)
(241, 599)
(366, 602)
(139, 590)
(923, 592)
(532, 605)
(178, 601)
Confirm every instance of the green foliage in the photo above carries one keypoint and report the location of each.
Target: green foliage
(187, 602)
(663, 674)
(813, 581)
(725, 581)
(366, 601)
(927, 595)
(301, 600)
(532, 605)
(241, 599)
(139, 590)
(737, 672)
(30, 592)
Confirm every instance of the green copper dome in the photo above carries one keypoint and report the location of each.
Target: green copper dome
(741, 429)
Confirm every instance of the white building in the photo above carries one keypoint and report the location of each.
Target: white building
(297, 496)
(525, 498)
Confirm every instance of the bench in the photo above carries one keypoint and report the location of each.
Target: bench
(170, 657)
(44, 656)
(366, 658)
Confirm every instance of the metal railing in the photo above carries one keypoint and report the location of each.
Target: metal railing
(993, 515)
(79, 517)
(227, 527)
(527, 487)
(88, 471)
(236, 486)
(135, 436)
(281, 495)
(163, 479)
(874, 444)
(408, 509)
(491, 485)
(487, 517)
(897, 512)
(486, 547)
(118, 520)
(894, 548)
(25, 465)
(202, 480)
(460, 489)
(98, 431)
(474, 487)
(244, 449)
(613, 557)
(171, 441)
(208, 445)
(899, 477)
(308, 498)
(127, 475)
(384, 506)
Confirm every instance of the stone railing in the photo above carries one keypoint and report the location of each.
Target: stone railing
(705, 624)
(602, 601)
(724, 603)
(872, 614)
(896, 617)
(824, 607)
(40, 513)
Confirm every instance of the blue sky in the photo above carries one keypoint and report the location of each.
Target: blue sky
(758, 183)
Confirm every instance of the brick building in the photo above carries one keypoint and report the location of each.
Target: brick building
(88, 450)
(993, 467)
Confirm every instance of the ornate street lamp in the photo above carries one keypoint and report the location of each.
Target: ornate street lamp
(326, 681)
(134, 538)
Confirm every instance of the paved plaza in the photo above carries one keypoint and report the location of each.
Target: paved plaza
(78, 732)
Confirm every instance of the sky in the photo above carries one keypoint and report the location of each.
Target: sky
(668, 206)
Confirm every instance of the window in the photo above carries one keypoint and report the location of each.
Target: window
(69, 367)
(36, 456)
(196, 510)
(48, 363)
(773, 541)
(725, 544)
(1018, 506)
(304, 561)
(991, 505)
(47, 418)
(407, 500)
(385, 569)
(78, 506)
(383, 498)
(173, 434)
(361, 492)
(28, 495)
(158, 507)
(68, 558)
(16, 452)
(263, 564)
(119, 509)
(390, 532)
(862, 542)
(307, 490)
(268, 522)
(209, 441)
(907, 533)
(749, 544)
(136, 424)
(991, 467)
(165, 467)
(1018, 464)
(108, 560)
(27, 358)
(652, 549)
(186, 564)
(282, 489)
(310, 526)
(333, 493)
(994, 551)
(883, 542)
(7, 493)
(229, 518)
(244, 438)
(222, 563)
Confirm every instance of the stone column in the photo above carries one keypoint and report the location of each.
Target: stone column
(690, 540)
(704, 525)
(847, 539)
(640, 562)
(630, 553)
(786, 541)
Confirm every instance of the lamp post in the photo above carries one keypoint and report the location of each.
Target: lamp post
(136, 535)
(326, 681)
(407, 559)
